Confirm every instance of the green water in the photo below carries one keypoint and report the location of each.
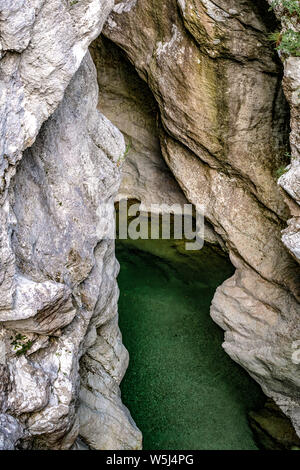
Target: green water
(182, 389)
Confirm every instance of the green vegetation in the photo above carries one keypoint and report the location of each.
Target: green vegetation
(275, 37)
(292, 7)
(122, 158)
(283, 168)
(281, 171)
(290, 43)
(20, 344)
(287, 42)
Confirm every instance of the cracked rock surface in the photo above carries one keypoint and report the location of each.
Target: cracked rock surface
(213, 132)
(223, 126)
(57, 266)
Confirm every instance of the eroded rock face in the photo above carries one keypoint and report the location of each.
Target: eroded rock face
(222, 130)
(66, 274)
(290, 180)
(126, 101)
(273, 429)
(42, 45)
(223, 134)
(57, 267)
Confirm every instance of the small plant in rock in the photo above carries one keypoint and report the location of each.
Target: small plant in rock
(288, 155)
(122, 158)
(292, 7)
(290, 43)
(275, 37)
(20, 344)
(287, 42)
(281, 171)
(283, 168)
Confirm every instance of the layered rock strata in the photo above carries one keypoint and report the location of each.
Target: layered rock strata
(57, 267)
(213, 84)
(224, 132)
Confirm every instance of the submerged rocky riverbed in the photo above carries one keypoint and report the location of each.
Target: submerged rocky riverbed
(181, 388)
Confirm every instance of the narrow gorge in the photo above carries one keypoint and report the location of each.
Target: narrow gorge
(159, 103)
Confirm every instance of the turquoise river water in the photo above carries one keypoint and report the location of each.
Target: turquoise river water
(182, 390)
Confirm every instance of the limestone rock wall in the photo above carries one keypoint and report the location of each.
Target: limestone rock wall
(216, 113)
(42, 45)
(290, 180)
(126, 100)
(57, 268)
(223, 124)
(66, 272)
